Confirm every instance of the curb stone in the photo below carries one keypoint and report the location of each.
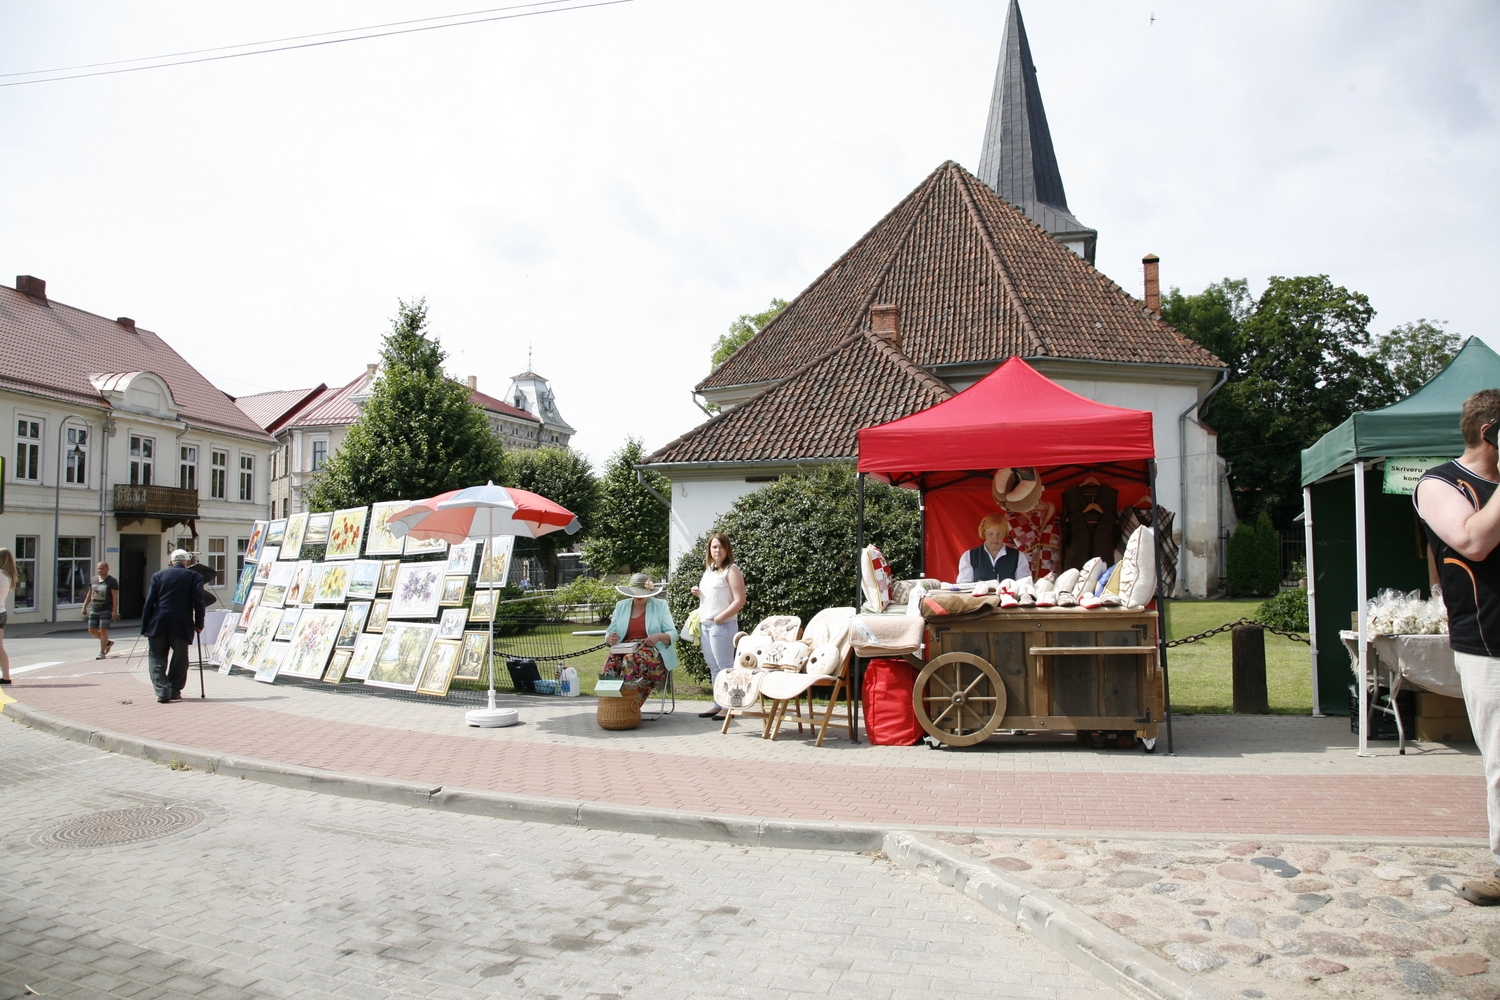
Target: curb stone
(1110, 956)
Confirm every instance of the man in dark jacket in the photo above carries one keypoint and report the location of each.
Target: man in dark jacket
(173, 612)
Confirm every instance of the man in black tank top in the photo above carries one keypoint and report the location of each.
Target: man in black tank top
(1455, 502)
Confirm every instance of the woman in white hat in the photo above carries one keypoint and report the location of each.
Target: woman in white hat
(992, 559)
(643, 618)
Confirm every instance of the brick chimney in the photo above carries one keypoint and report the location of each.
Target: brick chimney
(127, 323)
(473, 383)
(885, 323)
(34, 287)
(370, 370)
(1151, 263)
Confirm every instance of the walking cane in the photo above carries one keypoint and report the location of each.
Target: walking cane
(202, 691)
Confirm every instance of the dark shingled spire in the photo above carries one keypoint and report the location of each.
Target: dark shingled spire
(1018, 161)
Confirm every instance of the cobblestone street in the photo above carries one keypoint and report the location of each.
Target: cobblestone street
(270, 892)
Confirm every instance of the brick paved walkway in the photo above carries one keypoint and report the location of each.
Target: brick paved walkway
(1276, 775)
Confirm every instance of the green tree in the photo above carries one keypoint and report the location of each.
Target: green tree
(1253, 562)
(742, 329)
(418, 435)
(631, 526)
(1213, 317)
(1415, 352)
(565, 477)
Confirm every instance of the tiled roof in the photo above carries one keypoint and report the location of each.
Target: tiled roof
(976, 281)
(816, 412)
(51, 349)
(487, 402)
(270, 410)
(333, 407)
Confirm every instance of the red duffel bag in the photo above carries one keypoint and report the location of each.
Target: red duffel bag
(889, 718)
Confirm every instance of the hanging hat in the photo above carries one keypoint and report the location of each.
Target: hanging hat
(1002, 484)
(1017, 490)
(641, 585)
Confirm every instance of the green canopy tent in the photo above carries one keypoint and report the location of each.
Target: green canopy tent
(1350, 499)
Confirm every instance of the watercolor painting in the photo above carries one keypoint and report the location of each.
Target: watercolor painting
(452, 624)
(483, 608)
(314, 581)
(437, 674)
(334, 584)
(380, 612)
(288, 626)
(419, 587)
(316, 632)
(364, 574)
(495, 565)
(345, 534)
(461, 557)
(257, 637)
(263, 568)
(291, 540)
(337, 665)
(274, 531)
(403, 651)
(252, 603)
(423, 546)
(317, 529)
(454, 590)
(247, 580)
(255, 541)
(282, 575)
(354, 623)
(298, 585)
(271, 660)
(378, 538)
(221, 643)
(364, 657)
(471, 659)
(388, 570)
(226, 659)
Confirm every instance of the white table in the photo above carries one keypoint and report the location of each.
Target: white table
(1421, 662)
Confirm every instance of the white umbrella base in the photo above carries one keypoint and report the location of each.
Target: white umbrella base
(492, 718)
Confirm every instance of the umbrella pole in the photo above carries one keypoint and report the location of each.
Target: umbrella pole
(488, 552)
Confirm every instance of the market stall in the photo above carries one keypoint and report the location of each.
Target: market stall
(1357, 482)
(1032, 668)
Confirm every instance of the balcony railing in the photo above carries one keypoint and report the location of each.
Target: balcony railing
(156, 501)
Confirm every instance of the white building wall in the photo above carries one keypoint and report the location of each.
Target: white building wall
(697, 504)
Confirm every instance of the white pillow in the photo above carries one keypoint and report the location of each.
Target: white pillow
(1138, 569)
(825, 660)
(1088, 577)
(875, 579)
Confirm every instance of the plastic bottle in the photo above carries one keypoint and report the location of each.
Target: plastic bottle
(568, 682)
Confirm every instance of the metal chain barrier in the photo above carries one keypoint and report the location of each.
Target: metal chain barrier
(1243, 621)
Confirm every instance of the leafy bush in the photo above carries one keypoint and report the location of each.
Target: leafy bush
(515, 615)
(588, 591)
(1254, 559)
(794, 541)
(1287, 610)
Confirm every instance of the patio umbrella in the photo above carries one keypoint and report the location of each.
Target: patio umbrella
(482, 513)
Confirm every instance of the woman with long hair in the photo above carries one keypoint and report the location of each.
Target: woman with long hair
(721, 594)
(8, 576)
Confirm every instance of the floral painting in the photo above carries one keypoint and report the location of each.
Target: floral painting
(313, 582)
(334, 584)
(378, 538)
(282, 574)
(247, 580)
(354, 623)
(257, 637)
(422, 546)
(291, 541)
(338, 664)
(388, 570)
(288, 626)
(419, 587)
(364, 575)
(471, 657)
(461, 558)
(226, 659)
(380, 612)
(495, 565)
(363, 659)
(483, 608)
(252, 604)
(263, 568)
(437, 674)
(454, 589)
(255, 541)
(271, 660)
(403, 651)
(274, 531)
(345, 534)
(452, 624)
(316, 632)
(221, 644)
(317, 529)
(298, 584)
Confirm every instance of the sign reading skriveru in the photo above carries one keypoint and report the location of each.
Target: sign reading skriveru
(1401, 474)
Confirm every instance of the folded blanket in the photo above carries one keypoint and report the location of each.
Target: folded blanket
(886, 635)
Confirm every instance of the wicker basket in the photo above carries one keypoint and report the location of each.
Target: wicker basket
(623, 712)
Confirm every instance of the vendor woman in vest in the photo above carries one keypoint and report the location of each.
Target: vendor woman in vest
(993, 559)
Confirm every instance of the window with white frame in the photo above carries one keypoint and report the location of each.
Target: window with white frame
(241, 545)
(28, 449)
(319, 454)
(218, 475)
(187, 468)
(247, 477)
(142, 460)
(24, 594)
(75, 565)
(76, 461)
(217, 556)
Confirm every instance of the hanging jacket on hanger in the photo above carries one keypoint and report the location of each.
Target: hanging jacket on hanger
(1088, 524)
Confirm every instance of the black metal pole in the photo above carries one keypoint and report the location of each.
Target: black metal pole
(202, 691)
(1161, 604)
(859, 554)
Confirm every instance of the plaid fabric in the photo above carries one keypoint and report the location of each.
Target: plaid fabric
(1132, 518)
(1040, 539)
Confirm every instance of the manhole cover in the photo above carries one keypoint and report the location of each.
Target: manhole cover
(118, 826)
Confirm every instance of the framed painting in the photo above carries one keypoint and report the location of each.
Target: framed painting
(364, 575)
(255, 541)
(271, 660)
(495, 564)
(461, 557)
(317, 529)
(363, 659)
(252, 604)
(437, 674)
(388, 570)
(291, 540)
(288, 626)
(312, 583)
(380, 613)
(338, 664)
(317, 630)
(455, 588)
(403, 650)
(345, 533)
(419, 587)
(226, 660)
(424, 546)
(355, 616)
(378, 538)
(247, 580)
(298, 583)
(282, 574)
(471, 656)
(257, 637)
(334, 584)
(483, 608)
(274, 531)
(263, 568)
(452, 624)
(221, 643)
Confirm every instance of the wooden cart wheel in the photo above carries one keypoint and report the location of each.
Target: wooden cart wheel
(959, 699)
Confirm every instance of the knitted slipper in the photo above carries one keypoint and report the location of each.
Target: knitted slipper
(1065, 599)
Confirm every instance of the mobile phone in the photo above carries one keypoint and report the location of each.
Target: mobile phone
(1492, 432)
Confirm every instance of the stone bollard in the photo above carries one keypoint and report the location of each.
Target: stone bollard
(1250, 695)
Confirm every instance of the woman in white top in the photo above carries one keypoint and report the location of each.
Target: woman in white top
(721, 594)
(7, 582)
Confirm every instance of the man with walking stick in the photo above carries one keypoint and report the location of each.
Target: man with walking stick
(174, 610)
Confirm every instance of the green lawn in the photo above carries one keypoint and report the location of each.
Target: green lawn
(552, 640)
(1200, 672)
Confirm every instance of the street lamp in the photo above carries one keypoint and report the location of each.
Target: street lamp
(57, 503)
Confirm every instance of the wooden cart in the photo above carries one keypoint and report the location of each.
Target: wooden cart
(1045, 669)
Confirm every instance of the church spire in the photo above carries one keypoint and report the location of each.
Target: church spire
(1017, 159)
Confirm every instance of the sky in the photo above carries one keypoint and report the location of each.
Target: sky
(604, 190)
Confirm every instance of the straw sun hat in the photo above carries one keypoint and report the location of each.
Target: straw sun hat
(641, 585)
(1017, 490)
